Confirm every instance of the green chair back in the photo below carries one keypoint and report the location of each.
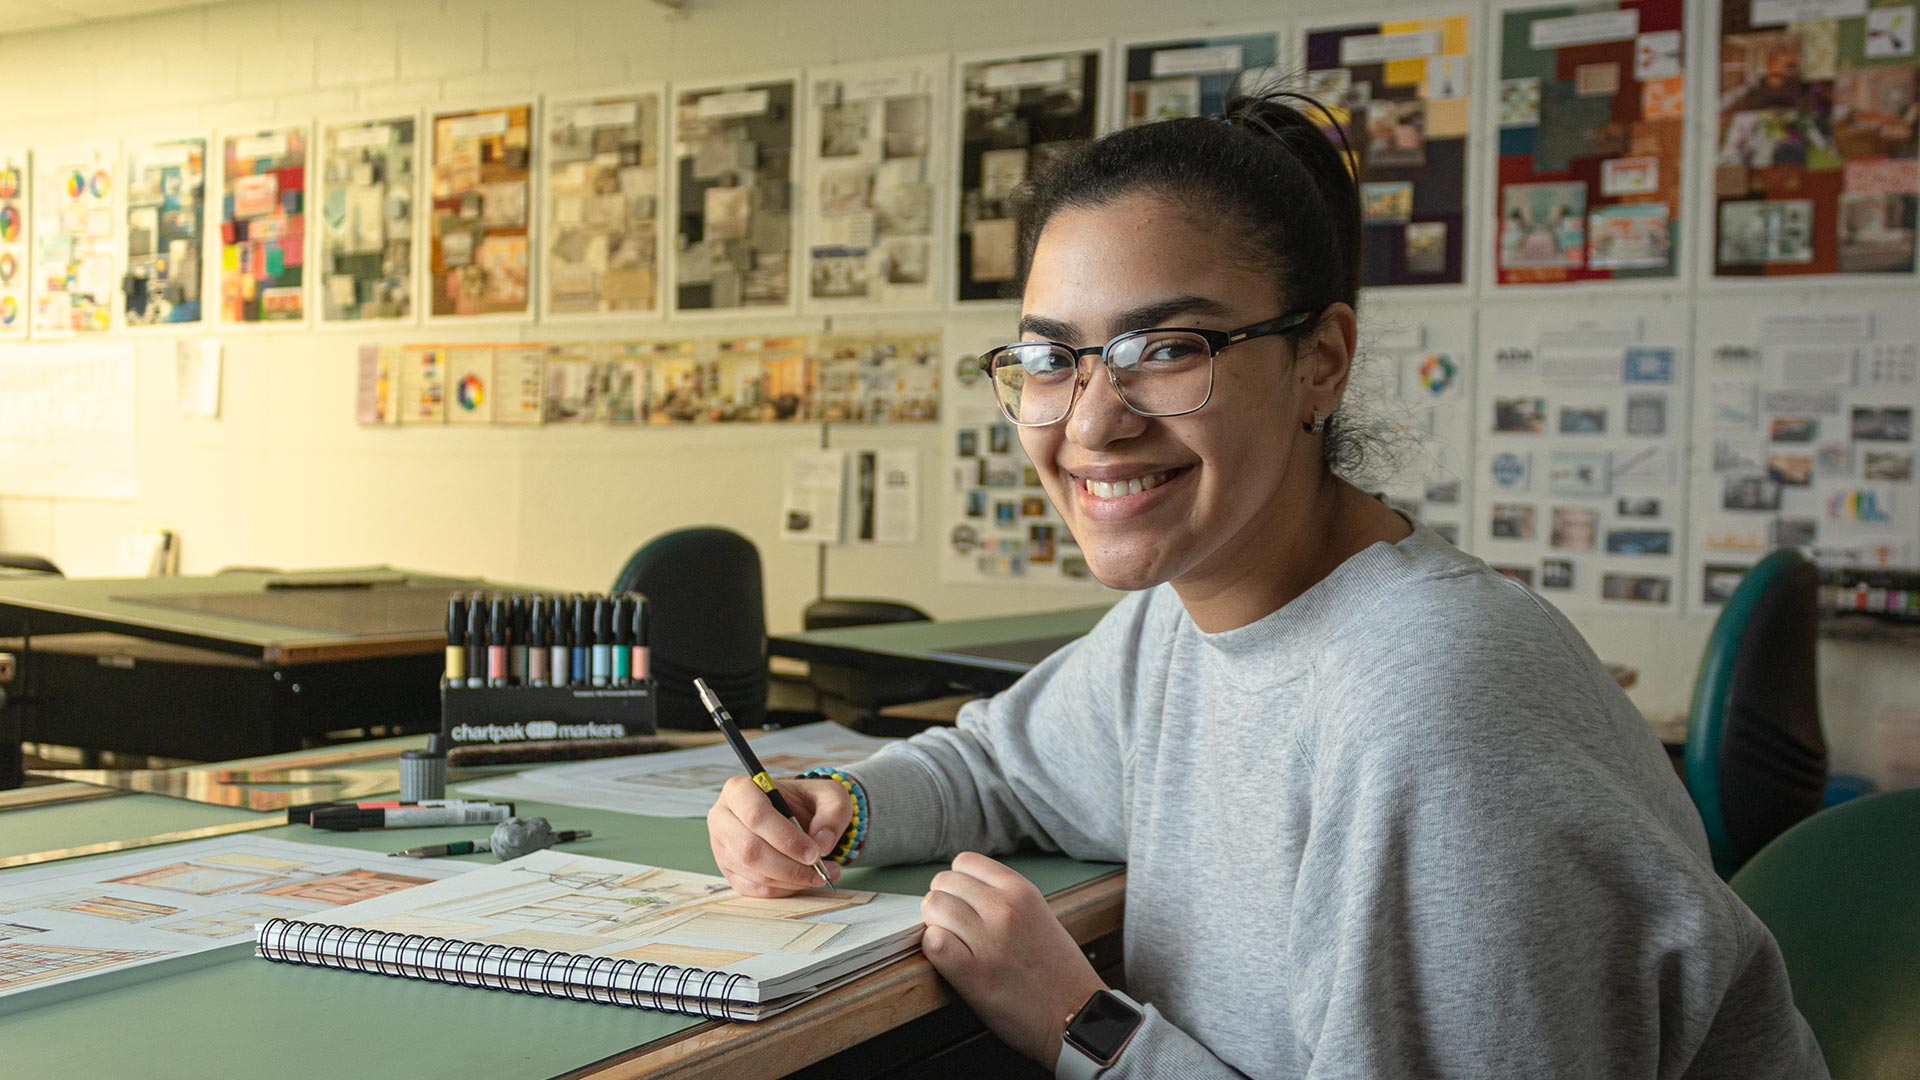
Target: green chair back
(1756, 761)
(1841, 893)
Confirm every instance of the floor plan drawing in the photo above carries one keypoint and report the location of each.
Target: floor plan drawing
(23, 965)
(114, 907)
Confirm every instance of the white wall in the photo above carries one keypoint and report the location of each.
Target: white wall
(286, 478)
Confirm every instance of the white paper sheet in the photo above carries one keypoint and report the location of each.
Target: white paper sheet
(810, 505)
(680, 783)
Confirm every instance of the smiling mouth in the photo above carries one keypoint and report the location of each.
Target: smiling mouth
(1119, 489)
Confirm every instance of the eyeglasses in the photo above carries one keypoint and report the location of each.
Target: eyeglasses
(1161, 371)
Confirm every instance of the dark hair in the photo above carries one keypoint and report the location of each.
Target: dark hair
(1264, 168)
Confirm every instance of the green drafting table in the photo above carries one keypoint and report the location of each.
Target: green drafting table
(988, 655)
(228, 1013)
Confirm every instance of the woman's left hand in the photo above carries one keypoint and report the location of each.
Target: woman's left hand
(991, 935)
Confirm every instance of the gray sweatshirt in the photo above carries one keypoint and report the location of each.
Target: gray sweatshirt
(1405, 826)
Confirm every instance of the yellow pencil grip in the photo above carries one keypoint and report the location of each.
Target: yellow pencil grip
(764, 782)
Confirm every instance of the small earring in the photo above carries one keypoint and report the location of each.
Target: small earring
(1319, 423)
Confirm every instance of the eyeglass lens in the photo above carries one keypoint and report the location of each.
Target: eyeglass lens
(1156, 373)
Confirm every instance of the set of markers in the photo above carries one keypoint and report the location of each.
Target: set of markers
(494, 641)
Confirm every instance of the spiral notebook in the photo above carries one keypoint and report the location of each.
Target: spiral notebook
(611, 932)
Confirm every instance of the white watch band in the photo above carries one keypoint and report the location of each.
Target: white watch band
(1074, 1065)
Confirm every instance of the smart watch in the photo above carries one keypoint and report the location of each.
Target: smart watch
(1097, 1034)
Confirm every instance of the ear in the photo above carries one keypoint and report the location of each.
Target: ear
(1326, 359)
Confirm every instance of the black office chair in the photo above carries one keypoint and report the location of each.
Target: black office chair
(709, 620)
(1756, 762)
(853, 696)
(34, 563)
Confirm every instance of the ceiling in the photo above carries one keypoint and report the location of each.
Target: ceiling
(20, 16)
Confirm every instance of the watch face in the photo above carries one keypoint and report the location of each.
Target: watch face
(1103, 1027)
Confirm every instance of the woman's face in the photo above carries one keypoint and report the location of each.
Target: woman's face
(1220, 476)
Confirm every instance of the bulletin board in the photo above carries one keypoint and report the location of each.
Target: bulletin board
(1400, 94)
(369, 190)
(876, 177)
(734, 172)
(166, 231)
(603, 204)
(75, 194)
(263, 226)
(1589, 109)
(1018, 114)
(1166, 76)
(1582, 431)
(1415, 372)
(15, 253)
(1803, 434)
(480, 232)
(1815, 168)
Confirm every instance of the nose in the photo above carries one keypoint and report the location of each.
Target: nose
(1099, 417)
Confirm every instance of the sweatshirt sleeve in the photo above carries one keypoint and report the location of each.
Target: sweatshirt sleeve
(1040, 763)
(1488, 891)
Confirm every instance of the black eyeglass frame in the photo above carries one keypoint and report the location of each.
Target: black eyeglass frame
(1217, 342)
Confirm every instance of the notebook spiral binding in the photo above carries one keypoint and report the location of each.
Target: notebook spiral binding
(498, 967)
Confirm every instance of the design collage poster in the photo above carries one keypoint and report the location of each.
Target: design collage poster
(1398, 93)
(1414, 375)
(482, 191)
(1582, 435)
(369, 180)
(1590, 111)
(733, 152)
(73, 241)
(1167, 78)
(602, 246)
(1017, 116)
(15, 255)
(166, 226)
(1803, 437)
(263, 226)
(870, 210)
(1816, 167)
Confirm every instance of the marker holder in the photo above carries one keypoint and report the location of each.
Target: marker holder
(503, 716)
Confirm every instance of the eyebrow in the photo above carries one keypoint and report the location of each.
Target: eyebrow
(1135, 318)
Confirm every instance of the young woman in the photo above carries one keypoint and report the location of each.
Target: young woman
(1384, 814)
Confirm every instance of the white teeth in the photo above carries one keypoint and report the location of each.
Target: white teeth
(1119, 488)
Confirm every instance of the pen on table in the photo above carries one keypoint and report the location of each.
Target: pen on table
(757, 772)
(468, 847)
(352, 818)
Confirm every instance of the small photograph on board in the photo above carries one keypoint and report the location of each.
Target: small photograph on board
(1639, 542)
(1885, 465)
(1556, 574)
(1649, 364)
(1760, 233)
(1396, 133)
(1882, 423)
(1578, 473)
(1629, 236)
(1543, 225)
(1520, 415)
(1795, 532)
(1583, 419)
(1426, 247)
(1637, 506)
(1512, 521)
(1386, 202)
(1749, 493)
(1636, 588)
(1790, 470)
(1646, 414)
(1033, 506)
(1574, 528)
(1793, 429)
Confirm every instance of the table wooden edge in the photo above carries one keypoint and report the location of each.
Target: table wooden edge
(861, 1010)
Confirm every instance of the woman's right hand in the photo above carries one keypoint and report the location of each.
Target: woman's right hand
(762, 853)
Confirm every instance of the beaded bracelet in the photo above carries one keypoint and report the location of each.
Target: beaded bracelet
(856, 834)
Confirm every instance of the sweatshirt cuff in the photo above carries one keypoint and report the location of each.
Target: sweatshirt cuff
(1161, 1051)
(904, 809)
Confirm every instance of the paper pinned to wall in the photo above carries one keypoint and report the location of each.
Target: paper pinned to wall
(66, 421)
(887, 496)
(810, 505)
